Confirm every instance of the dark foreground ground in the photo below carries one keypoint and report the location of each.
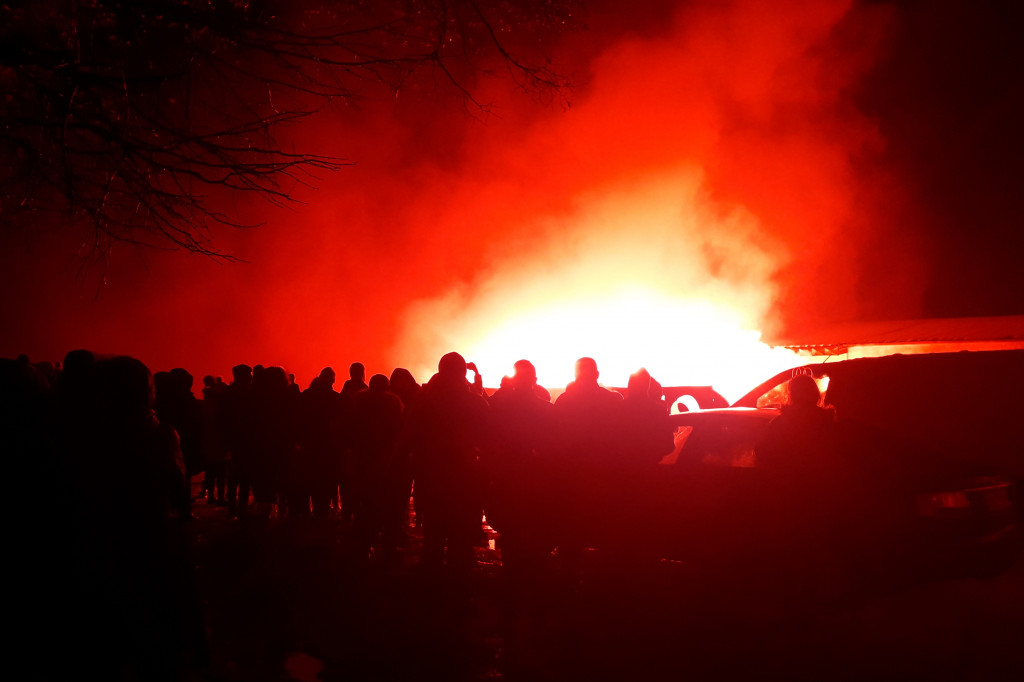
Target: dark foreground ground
(284, 601)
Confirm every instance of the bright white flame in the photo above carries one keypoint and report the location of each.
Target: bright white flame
(680, 342)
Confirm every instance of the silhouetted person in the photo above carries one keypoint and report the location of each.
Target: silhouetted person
(356, 381)
(446, 433)
(140, 608)
(47, 373)
(274, 425)
(798, 460)
(240, 438)
(648, 430)
(802, 434)
(590, 417)
(37, 545)
(176, 405)
(26, 421)
(519, 504)
(215, 440)
(320, 442)
(377, 477)
(590, 422)
(404, 385)
(507, 383)
(355, 384)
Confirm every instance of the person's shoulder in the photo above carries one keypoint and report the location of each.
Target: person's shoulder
(499, 400)
(570, 395)
(163, 435)
(542, 404)
(612, 397)
(826, 415)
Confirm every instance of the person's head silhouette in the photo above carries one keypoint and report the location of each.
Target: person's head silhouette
(803, 391)
(586, 372)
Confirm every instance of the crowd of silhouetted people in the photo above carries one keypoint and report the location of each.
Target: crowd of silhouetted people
(263, 447)
(106, 460)
(111, 451)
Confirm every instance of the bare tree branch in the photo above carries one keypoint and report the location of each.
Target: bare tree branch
(134, 117)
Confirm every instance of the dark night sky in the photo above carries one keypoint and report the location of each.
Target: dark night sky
(790, 162)
(950, 101)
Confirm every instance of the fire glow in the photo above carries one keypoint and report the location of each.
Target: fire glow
(680, 206)
(652, 274)
(701, 187)
(681, 342)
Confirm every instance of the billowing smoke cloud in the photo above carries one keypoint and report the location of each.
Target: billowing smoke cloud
(708, 162)
(714, 170)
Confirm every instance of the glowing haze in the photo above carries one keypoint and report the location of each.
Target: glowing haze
(626, 280)
(699, 164)
(721, 168)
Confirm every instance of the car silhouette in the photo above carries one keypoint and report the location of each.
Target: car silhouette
(917, 480)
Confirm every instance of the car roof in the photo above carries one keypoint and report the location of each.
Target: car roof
(900, 370)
